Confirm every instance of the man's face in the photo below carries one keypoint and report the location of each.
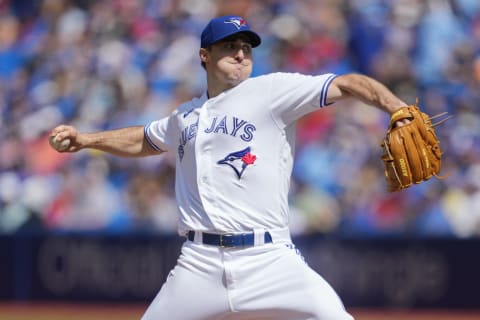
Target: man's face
(229, 61)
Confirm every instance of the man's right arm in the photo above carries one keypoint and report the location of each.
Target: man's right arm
(125, 142)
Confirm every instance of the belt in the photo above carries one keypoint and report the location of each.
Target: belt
(229, 240)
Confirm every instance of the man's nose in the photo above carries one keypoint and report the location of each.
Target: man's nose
(240, 55)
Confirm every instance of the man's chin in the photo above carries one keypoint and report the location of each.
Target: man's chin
(240, 81)
(236, 80)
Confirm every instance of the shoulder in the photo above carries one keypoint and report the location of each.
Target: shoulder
(188, 106)
(270, 76)
(291, 76)
(260, 82)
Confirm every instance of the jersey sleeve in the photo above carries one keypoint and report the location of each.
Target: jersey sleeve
(159, 134)
(294, 95)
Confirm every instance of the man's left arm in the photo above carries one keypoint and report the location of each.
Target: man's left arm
(366, 89)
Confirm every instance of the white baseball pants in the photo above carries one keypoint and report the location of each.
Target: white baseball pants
(269, 281)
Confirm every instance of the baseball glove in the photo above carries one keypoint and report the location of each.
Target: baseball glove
(411, 153)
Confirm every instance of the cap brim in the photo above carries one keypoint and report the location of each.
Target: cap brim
(254, 39)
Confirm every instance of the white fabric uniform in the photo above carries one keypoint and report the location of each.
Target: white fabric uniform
(233, 166)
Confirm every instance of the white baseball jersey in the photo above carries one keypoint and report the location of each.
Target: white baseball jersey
(234, 161)
(234, 152)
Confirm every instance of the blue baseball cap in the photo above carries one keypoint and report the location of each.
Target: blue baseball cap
(222, 27)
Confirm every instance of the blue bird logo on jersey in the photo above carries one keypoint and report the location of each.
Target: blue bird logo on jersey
(239, 160)
(237, 22)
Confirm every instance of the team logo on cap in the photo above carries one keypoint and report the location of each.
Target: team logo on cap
(239, 160)
(237, 22)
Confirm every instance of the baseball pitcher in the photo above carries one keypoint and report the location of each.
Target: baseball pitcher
(234, 148)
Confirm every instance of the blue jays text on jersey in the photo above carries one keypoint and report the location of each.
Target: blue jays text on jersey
(233, 126)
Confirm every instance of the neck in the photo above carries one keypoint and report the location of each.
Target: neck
(214, 90)
(216, 85)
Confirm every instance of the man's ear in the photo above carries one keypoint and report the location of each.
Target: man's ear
(203, 53)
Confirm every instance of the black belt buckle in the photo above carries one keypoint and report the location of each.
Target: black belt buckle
(227, 240)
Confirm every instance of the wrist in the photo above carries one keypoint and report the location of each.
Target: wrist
(87, 140)
(397, 107)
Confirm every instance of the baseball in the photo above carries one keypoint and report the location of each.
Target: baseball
(59, 145)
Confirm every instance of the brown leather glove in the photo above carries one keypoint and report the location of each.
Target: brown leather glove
(411, 152)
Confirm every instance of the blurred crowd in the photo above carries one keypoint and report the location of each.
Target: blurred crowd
(115, 63)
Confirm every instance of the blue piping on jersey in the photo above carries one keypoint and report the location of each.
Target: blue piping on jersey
(323, 95)
(150, 142)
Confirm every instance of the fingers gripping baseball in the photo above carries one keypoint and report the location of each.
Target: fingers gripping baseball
(64, 139)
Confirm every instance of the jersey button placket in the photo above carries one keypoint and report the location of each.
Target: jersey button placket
(202, 148)
(203, 156)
